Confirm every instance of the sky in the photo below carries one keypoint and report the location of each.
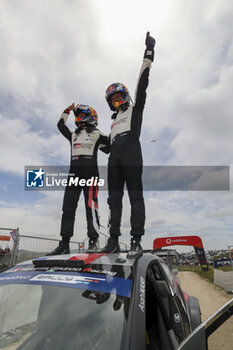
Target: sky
(58, 52)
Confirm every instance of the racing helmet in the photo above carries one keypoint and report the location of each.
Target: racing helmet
(90, 118)
(114, 88)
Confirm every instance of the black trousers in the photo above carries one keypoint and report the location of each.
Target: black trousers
(125, 168)
(70, 203)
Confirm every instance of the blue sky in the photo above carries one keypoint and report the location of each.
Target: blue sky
(57, 52)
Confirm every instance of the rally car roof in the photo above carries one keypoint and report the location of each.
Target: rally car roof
(76, 260)
(70, 261)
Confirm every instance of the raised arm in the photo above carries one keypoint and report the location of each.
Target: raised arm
(143, 79)
(63, 128)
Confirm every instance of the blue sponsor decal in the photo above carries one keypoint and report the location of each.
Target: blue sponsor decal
(95, 282)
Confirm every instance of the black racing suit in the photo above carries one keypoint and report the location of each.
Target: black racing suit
(125, 161)
(85, 143)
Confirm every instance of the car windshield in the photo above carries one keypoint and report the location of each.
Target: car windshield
(48, 316)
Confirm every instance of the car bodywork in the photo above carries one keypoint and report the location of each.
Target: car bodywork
(141, 299)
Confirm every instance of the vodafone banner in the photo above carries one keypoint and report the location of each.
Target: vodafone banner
(194, 241)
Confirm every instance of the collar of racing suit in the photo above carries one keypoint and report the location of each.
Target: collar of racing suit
(88, 128)
(122, 109)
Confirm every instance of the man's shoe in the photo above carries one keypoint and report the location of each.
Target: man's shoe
(112, 246)
(62, 248)
(92, 248)
(135, 250)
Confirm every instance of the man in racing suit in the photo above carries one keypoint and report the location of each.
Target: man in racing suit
(125, 161)
(85, 142)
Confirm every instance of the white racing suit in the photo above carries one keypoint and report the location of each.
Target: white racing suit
(84, 147)
(125, 161)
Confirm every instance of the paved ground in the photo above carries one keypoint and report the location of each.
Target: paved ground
(211, 298)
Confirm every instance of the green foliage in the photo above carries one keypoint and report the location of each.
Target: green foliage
(209, 275)
(225, 268)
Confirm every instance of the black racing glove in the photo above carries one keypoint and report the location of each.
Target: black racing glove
(150, 44)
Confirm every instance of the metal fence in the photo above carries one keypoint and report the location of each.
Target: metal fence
(31, 247)
(8, 246)
(18, 247)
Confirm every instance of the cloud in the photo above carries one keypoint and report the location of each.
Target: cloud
(191, 87)
(21, 146)
(185, 213)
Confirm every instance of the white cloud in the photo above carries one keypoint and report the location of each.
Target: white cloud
(21, 146)
(190, 213)
(192, 83)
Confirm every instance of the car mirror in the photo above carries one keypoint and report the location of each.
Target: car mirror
(199, 337)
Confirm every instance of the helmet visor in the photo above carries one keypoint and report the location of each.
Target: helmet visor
(85, 114)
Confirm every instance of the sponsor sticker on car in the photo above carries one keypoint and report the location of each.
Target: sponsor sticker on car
(66, 279)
